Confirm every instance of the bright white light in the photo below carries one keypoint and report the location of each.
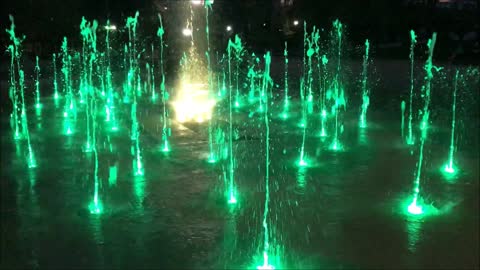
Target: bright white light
(197, 2)
(187, 32)
(193, 103)
(165, 8)
(295, 22)
(110, 27)
(229, 28)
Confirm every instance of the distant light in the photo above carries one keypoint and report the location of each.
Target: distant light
(165, 8)
(187, 32)
(264, 24)
(295, 22)
(110, 27)
(197, 2)
(229, 28)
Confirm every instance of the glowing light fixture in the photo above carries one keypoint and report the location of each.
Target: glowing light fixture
(110, 27)
(187, 32)
(229, 28)
(295, 22)
(193, 103)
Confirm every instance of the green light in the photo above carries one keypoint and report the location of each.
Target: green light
(449, 169)
(365, 90)
(232, 199)
(362, 123)
(17, 135)
(237, 104)
(211, 159)
(414, 209)
(324, 113)
(95, 207)
(88, 147)
(138, 167)
(323, 133)
(265, 265)
(336, 146)
(165, 147)
(302, 163)
(32, 163)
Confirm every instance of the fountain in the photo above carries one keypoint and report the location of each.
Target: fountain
(266, 234)
(402, 125)
(337, 95)
(14, 49)
(286, 99)
(38, 105)
(163, 89)
(414, 207)
(250, 117)
(413, 41)
(449, 167)
(55, 84)
(365, 89)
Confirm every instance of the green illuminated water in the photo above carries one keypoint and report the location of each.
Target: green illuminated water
(414, 207)
(211, 156)
(110, 108)
(236, 46)
(413, 41)
(38, 105)
(266, 240)
(152, 75)
(69, 111)
(365, 89)
(95, 206)
(338, 94)
(286, 98)
(449, 167)
(163, 89)
(13, 89)
(55, 83)
(14, 49)
(402, 125)
(310, 53)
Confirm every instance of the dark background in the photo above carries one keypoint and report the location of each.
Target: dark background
(263, 24)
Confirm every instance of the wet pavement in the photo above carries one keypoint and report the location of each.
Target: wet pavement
(345, 210)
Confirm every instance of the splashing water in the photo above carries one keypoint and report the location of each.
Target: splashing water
(236, 46)
(110, 104)
(338, 94)
(266, 242)
(414, 208)
(69, 110)
(55, 84)
(310, 53)
(38, 105)
(413, 41)
(95, 206)
(13, 91)
(323, 95)
(14, 48)
(402, 107)
(286, 99)
(165, 143)
(211, 156)
(449, 167)
(365, 90)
